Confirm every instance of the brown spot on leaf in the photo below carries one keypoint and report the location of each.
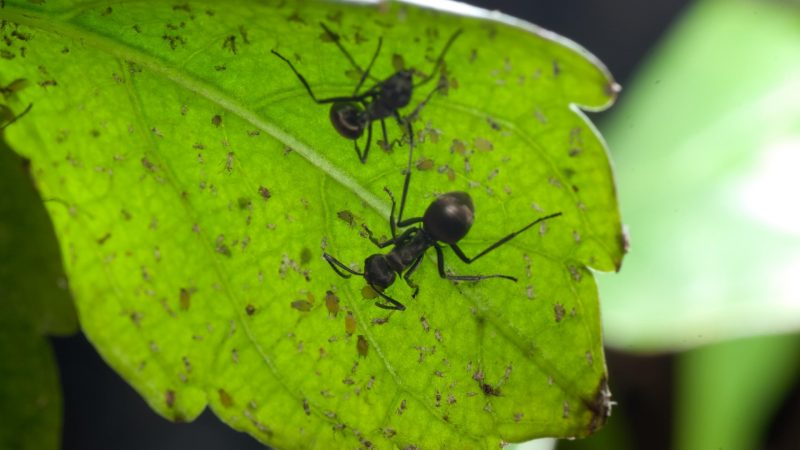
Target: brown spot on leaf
(380, 320)
(559, 311)
(264, 193)
(425, 325)
(169, 398)
(425, 164)
(332, 303)
(347, 217)
(302, 305)
(349, 323)
(458, 147)
(224, 398)
(185, 298)
(483, 144)
(362, 346)
(305, 256)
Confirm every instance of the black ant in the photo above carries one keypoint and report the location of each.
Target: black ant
(6, 111)
(351, 115)
(446, 221)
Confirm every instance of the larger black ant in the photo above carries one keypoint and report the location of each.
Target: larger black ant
(351, 115)
(446, 221)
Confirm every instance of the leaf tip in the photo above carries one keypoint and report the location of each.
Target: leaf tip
(612, 89)
(600, 406)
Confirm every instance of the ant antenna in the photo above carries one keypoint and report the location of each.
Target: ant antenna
(364, 74)
(395, 305)
(440, 59)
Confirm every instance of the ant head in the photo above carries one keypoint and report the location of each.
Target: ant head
(348, 119)
(449, 217)
(377, 271)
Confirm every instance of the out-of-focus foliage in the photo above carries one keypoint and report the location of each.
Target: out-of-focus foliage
(33, 303)
(707, 146)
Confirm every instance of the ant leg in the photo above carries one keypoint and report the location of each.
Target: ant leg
(16, 118)
(407, 276)
(369, 141)
(363, 156)
(440, 59)
(392, 224)
(502, 241)
(394, 304)
(387, 147)
(420, 105)
(407, 179)
(355, 98)
(395, 240)
(365, 73)
(335, 38)
(443, 274)
(336, 265)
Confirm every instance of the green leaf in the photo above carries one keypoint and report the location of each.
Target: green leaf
(707, 185)
(34, 302)
(199, 184)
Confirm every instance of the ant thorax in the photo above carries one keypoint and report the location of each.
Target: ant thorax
(394, 93)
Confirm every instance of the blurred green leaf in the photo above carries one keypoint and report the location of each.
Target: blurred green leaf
(197, 183)
(33, 303)
(728, 392)
(30, 396)
(707, 146)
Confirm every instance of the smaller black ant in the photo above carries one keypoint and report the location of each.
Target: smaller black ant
(446, 221)
(351, 115)
(6, 111)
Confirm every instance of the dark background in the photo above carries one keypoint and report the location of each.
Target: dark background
(102, 412)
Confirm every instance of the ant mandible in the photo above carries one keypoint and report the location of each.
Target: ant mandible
(446, 221)
(351, 115)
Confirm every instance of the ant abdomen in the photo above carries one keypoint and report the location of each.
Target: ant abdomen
(449, 217)
(348, 119)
